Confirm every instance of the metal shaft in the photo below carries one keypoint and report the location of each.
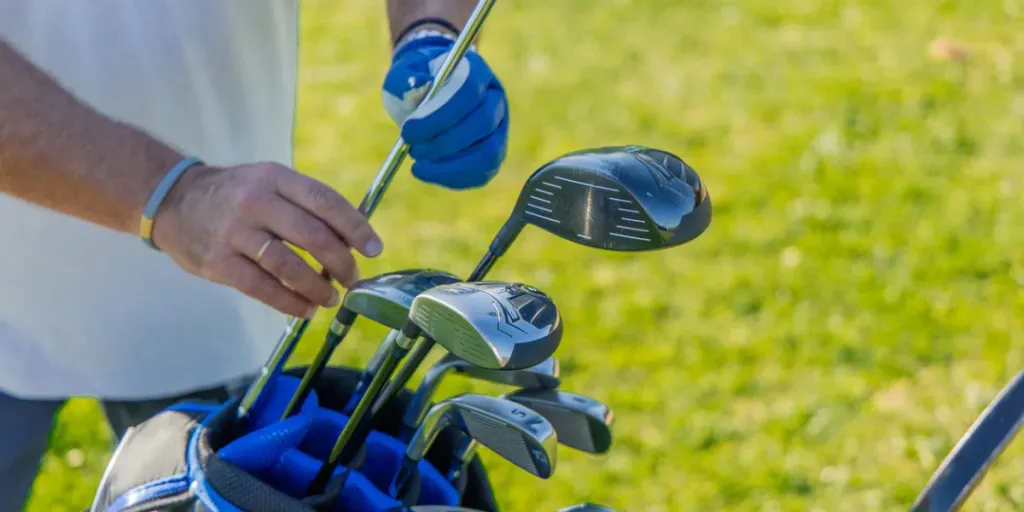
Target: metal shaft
(353, 424)
(296, 325)
(334, 339)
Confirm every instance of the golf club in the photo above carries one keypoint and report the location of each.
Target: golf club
(541, 376)
(966, 465)
(586, 507)
(385, 299)
(515, 433)
(297, 325)
(618, 198)
(581, 422)
(492, 324)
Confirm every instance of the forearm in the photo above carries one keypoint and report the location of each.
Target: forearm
(402, 13)
(57, 152)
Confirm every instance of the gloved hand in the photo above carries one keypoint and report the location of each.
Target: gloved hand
(459, 138)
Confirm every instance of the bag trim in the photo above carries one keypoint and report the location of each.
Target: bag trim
(154, 490)
(201, 487)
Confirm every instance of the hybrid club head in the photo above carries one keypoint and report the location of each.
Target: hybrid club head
(494, 325)
(510, 430)
(386, 298)
(581, 422)
(541, 376)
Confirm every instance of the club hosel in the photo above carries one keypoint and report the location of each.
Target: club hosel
(342, 322)
(405, 473)
(407, 336)
(506, 235)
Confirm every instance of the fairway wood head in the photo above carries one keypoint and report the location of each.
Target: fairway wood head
(494, 325)
(586, 507)
(620, 198)
(510, 430)
(581, 422)
(386, 298)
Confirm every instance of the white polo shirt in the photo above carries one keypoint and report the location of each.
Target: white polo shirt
(89, 311)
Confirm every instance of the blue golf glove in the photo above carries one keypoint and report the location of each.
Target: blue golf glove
(459, 138)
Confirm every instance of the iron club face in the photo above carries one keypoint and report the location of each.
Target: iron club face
(581, 422)
(512, 431)
(494, 325)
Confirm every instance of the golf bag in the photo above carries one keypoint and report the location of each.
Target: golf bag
(198, 457)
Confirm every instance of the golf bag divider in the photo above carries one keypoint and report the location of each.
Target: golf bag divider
(172, 463)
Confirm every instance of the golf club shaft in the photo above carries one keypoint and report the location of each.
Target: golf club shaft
(965, 466)
(342, 446)
(315, 368)
(284, 348)
(297, 326)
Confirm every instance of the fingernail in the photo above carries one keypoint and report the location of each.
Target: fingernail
(311, 313)
(373, 247)
(334, 300)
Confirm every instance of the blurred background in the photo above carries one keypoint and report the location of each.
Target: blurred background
(855, 304)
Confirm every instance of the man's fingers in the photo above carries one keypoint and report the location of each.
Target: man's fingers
(277, 258)
(245, 276)
(303, 229)
(334, 210)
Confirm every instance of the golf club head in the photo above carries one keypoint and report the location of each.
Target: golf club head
(619, 198)
(581, 422)
(510, 430)
(540, 376)
(586, 507)
(494, 325)
(386, 298)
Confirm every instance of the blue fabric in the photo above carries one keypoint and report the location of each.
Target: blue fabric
(287, 455)
(459, 139)
(275, 397)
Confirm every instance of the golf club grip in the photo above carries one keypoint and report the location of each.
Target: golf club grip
(401, 149)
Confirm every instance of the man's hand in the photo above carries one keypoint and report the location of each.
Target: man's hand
(215, 222)
(458, 139)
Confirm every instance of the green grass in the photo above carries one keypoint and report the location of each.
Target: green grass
(855, 304)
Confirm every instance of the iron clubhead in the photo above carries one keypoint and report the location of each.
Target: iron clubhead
(494, 325)
(386, 298)
(581, 422)
(512, 431)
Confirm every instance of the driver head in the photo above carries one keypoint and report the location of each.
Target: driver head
(512, 431)
(494, 325)
(581, 422)
(386, 298)
(620, 198)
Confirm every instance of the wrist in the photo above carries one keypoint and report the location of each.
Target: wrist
(440, 26)
(168, 200)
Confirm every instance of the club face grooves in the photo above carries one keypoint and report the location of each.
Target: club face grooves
(621, 198)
